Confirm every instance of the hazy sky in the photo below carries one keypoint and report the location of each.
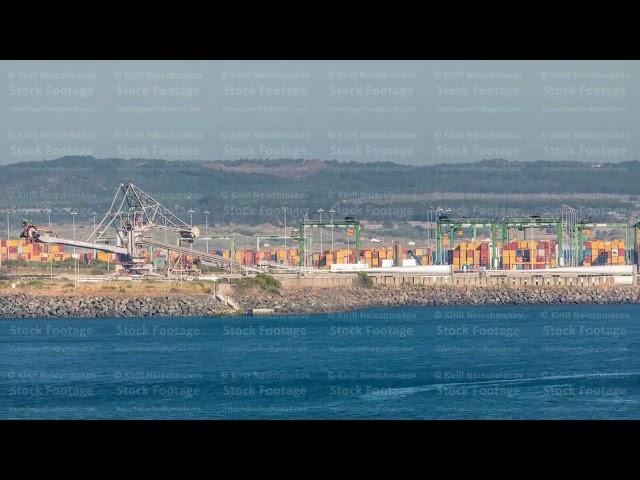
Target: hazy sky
(417, 112)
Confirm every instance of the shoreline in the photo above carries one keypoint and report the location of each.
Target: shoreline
(301, 302)
(357, 298)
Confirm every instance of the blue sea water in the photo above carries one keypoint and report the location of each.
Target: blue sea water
(507, 362)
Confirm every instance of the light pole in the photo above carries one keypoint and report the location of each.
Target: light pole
(75, 256)
(94, 213)
(305, 239)
(320, 210)
(563, 219)
(430, 211)
(206, 227)
(575, 238)
(570, 233)
(633, 254)
(331, 212)
(7, 248)
(286, 257)
(561, 252)
(165, 233)
(1, 252)
(7, 235)
(73, 216)
(191, 211)
(48, 249)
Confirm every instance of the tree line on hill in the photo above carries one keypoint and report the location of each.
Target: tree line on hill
(255, 191)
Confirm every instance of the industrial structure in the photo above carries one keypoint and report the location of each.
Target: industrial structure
(305, 239)
(131, 220)
(129, 236)
(448, 228)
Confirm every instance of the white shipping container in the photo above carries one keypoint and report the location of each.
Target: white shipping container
(348, 267)
(409, 262)
(387, 262)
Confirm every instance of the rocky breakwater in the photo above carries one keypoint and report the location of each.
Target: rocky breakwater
(332, 300)
(302, 301)
(27, 306)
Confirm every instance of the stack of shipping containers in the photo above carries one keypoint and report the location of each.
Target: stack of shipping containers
(599, 252)
(470, 256)
(466, 256)
(32, 252)
(528, 254)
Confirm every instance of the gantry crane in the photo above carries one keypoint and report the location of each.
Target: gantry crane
(450, 225)
(350, 223)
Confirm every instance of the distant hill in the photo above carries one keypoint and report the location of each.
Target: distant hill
(254, 191)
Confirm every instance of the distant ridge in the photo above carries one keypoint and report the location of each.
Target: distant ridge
(253, 191)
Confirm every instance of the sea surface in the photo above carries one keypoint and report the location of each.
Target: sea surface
(507, 362)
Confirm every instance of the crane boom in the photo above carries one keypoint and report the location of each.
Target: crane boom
(88, 245)
(32, 234)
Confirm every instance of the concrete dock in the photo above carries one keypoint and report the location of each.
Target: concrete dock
(602, 277)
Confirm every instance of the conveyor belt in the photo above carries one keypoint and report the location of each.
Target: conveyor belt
(206, 258)
(77, 243)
